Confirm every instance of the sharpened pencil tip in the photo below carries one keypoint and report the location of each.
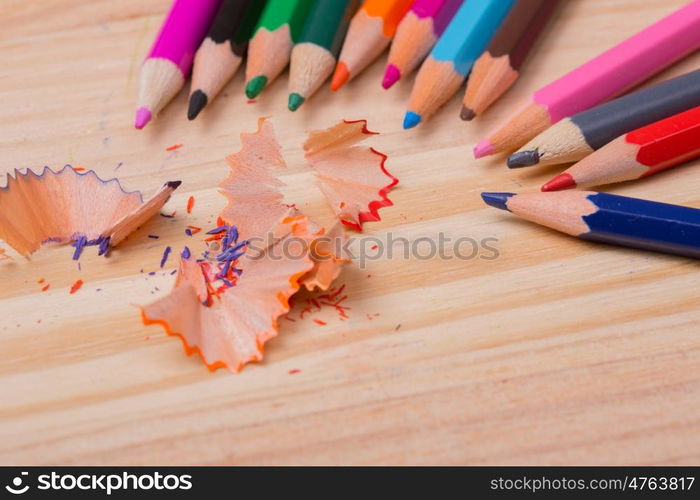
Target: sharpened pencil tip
(198, 100)
(295, 100)
(340, 77)
(498, 200)
(561, 181)
(411, 119)
(254, 86)
(173, 184)
(484, 148)
(522, 159)
(143, 116)
(467, 114)
(392, 74)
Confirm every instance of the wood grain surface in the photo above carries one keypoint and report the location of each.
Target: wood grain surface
(557, 352)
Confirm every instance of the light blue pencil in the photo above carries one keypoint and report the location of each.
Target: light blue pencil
(450, 61)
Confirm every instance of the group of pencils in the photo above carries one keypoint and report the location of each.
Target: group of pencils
(444, 39)
(585, 117)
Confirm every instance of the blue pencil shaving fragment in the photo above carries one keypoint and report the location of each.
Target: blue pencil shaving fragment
(166, 253)
(79, 244)
(219, 229)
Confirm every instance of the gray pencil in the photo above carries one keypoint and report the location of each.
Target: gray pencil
(576, 137)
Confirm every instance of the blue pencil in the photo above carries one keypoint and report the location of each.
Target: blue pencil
(609, 218)
(453, 56)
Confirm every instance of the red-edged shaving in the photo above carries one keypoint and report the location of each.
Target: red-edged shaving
(353, 178)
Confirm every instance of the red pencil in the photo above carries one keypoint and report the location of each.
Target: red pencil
(637, 154)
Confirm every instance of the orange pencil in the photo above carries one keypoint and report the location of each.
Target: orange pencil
(369, 33)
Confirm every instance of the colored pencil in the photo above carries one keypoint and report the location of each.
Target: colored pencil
(498, 68)
(609, 218)
(314, 56)
(640, 153)
(370, 32)
(448, 64)
(573, 138)
(416, 35)
(605, 76)
(271, 45)
(222, 51)
(169, 62)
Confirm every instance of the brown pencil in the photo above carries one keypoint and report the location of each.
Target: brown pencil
(498, 67)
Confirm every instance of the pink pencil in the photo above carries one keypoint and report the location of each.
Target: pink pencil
(164, 71)
(416, 35)
(611, 73)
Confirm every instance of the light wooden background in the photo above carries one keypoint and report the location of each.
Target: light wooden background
(560, 351)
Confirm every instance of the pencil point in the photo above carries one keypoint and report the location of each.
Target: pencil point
(198, 100)
(484, 148)
(295, 100)
(340, 77)
(143, 116)
(498, 200)
(561, 181)
(391, 76)
(254, 86)
(524, 159)
(411, 119)
(173, 184)
(467, 114)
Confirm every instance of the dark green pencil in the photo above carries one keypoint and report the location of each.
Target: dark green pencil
(314, 56)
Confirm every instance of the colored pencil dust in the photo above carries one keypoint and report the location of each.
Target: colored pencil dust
(452, 58)
(314, 57)
(271, 45)
(609, 218)
(169, 62)
(416, 35)
(498, 68)
(222, 51)
(605, 76)
(369, 33)
(574, 138)
(640, 153)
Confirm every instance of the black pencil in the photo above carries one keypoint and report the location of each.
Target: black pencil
(222, 51)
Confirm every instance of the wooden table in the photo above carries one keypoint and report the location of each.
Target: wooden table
(559, 351)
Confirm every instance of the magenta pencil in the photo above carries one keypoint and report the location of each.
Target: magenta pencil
(417, 33)
(169, 62)
(603, 77)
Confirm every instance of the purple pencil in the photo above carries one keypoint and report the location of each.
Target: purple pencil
(418, 32)
(164, 71)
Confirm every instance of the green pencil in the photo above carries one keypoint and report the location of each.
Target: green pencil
(314, 56)
(269, 50)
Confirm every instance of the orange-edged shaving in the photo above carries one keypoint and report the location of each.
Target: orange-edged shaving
(353, 178)
(225, 307)
(327, 251)
(68, 206)
(230, 330)
(255, 203)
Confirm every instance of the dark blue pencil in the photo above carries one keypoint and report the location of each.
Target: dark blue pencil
(609, 218)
